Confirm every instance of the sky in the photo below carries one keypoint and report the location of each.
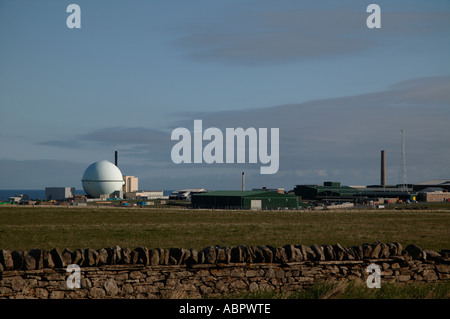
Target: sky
(338, 91)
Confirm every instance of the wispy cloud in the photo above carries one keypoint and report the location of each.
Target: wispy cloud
(113, 136)
(333, 139)
(297, 35)
(341, 138)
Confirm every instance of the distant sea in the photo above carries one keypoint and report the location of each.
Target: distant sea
(35, 194)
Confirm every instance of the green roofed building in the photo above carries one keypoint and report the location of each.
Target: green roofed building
(255, 200)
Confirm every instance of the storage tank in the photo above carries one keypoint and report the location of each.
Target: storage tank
(102, 177)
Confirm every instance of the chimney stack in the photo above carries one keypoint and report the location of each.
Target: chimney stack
(115, 158)
(243, 182)
(383, 169)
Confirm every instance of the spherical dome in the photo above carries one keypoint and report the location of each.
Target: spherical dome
(102, 178)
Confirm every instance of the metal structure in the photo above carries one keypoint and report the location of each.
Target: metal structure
(403, 179)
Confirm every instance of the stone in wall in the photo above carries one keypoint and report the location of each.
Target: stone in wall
(126, 256)
(78, 257)
(6, 259)
(338, 251)
(140, 256)
(329, 252)
(293, 254)
(58, 260)
(319, 252)
(67, 256)
(416, 252)
(209, 255)
(102, 256)
(193, 257)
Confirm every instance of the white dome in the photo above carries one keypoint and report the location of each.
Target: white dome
(102, 177)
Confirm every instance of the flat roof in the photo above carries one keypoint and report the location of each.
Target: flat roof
(242, 193)
(435, 182)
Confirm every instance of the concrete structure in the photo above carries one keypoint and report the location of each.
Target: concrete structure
(383, 168)
(131, 184)
(59, 193)
(102, 177)
(144, 195)
(255, 200)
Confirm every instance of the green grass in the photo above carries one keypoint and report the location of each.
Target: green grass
(356, 290)
(24, 228)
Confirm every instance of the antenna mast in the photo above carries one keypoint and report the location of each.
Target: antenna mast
(403, 181)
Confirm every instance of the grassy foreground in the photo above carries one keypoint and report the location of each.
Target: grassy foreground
(357, 290)
(24, 228)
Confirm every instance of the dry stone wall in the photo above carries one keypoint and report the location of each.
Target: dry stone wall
(212, 271)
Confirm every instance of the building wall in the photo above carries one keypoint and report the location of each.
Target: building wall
(268, 201)
(273, 202)
(437, 196)
(131, 184)
(144, 195)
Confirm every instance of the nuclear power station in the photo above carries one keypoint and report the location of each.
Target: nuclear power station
(104, 181)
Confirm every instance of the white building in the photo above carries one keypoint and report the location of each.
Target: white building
(131, 184)
(101, 178)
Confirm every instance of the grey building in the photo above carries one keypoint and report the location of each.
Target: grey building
(59, 193)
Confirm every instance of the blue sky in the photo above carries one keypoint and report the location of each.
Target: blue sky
(338, 91)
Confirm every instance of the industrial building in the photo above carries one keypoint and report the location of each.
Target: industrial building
(59, 193)
(131, 184)
(144, 195)
(334, 192)
(255, 200)
(439, 183)
(434, 194)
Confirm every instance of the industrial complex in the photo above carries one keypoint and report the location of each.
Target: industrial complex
(104, 183)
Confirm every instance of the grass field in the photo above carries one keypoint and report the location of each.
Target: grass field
(24, 228)
(356, 290)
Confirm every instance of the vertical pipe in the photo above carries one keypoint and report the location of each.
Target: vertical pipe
(383, 168)
(115, 158)
(243, 182)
